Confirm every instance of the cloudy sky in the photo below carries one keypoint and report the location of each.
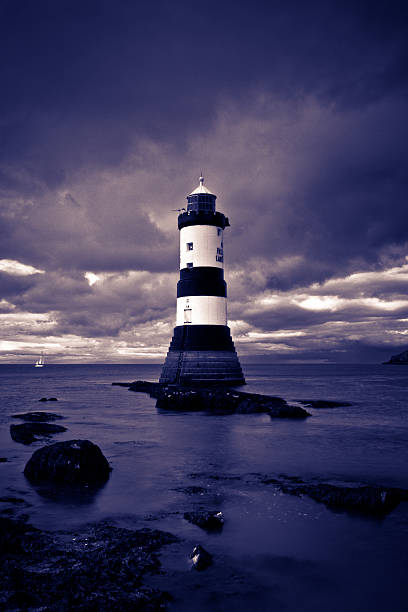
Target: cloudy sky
(295, 111)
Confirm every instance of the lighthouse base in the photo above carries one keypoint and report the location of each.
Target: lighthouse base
(202, 354)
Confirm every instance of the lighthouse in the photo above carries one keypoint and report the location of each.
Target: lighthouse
(201, 350)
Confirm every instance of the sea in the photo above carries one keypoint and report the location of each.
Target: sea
(276, 551)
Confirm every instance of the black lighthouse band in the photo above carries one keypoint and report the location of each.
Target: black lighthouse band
(202, 281)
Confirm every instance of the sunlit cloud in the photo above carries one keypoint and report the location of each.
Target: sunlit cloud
(92, 278)
(6, 306)
(323, 302)
(16, 268)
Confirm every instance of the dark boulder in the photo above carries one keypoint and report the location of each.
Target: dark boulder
(43, 399)
(201, 558)
(3, 459)
(210, 521)
(53, 399)
(70, 462)
(26, 433)
(38, 416)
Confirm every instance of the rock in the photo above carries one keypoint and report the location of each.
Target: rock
(37, 416)
(210, 521)
(145, 386)
(100, 567)
(53, 399)
(216, 399)
(3, 459)
(400, 359)
(323, 403)
(201, 558)
(368, 500)
(26, 433)
(43, 399)
(69, 462)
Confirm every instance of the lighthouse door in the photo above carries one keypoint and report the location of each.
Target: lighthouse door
(187, 315)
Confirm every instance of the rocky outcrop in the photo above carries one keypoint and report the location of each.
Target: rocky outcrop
(100, 567)
(27, 433)
(216, 399)
(400, 359)
(367, 500)
(200, 558)
(225, 401)
(38, 416)
(209, 521)
(70, 462)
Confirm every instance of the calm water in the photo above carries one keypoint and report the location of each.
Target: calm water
(275, 552)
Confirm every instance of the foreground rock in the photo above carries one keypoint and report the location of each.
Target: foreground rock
(38, 416)
(400, 359)
(201, 558)
(215, 399)
(70, 462)
(210, 521)
(26, 433)
(101, 567)
(368, 500)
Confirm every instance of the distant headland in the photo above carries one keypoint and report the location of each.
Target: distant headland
(400, 359)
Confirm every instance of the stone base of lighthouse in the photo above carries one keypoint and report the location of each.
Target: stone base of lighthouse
(202, 354)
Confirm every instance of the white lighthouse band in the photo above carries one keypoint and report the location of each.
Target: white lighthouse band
(201, 310)
(201, 246)
(202, 350)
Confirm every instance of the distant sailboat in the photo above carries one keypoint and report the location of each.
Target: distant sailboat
(40, 362)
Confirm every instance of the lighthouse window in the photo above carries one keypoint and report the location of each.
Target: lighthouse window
(189, 246)
(219, 251)
(190, 264)
(187, 315)
(219, 258)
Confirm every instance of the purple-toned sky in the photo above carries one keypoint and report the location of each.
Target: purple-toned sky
(297, 114)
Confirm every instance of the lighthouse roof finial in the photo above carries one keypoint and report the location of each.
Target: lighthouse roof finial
(201, 188)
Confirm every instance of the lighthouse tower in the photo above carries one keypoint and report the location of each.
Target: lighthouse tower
(201, 350)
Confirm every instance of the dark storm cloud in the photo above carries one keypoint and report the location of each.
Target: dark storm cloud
(82, 77)
(296, 111)
(331, 189)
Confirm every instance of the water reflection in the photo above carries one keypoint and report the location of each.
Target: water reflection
(68, 495)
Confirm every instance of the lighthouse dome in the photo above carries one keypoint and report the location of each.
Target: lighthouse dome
(201, 199)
